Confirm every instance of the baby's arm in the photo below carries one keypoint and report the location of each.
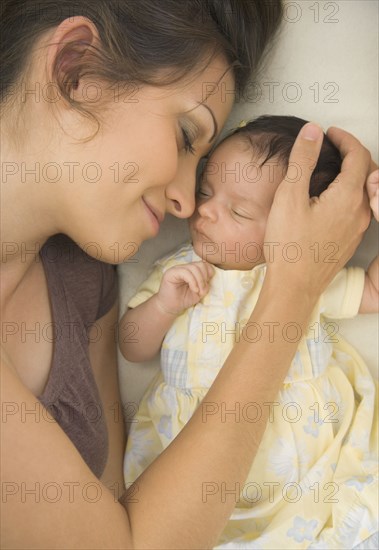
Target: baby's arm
(370, 298)
(181, 287)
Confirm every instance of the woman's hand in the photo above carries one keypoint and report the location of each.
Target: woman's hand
(312, 239)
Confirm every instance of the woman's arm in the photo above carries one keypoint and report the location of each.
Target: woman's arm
(180, 501)
(103, 359)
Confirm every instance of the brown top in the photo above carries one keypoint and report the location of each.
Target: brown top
(81, 290)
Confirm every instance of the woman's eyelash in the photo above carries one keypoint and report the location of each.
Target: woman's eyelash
(188, 143)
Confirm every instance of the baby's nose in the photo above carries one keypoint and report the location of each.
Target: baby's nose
(207, 209)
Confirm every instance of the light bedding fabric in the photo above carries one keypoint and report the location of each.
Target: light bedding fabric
(315, 476)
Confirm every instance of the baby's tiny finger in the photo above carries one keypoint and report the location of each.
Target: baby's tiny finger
(188, 277)
(199, 272)
(372, 183)
(210, 270)
(374, 205)
(207, 271)
(194, 287)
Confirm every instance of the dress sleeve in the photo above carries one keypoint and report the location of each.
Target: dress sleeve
(109, 288)
(148, 288)
(343, 296)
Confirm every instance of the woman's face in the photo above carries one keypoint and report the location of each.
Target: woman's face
(142, 163)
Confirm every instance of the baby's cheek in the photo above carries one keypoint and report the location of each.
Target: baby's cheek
(255, 233)
(256, 239)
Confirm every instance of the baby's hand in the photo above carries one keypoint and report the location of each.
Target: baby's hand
(372, 186)
(184, 286)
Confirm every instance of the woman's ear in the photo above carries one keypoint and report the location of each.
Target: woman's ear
(68, 50)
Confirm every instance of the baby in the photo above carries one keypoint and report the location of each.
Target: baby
(313, 483)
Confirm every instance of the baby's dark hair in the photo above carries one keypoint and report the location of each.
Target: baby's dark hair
(272, 137)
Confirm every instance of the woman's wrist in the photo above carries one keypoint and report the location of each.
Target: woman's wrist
(287, 296)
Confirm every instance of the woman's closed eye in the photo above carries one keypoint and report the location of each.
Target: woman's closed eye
(188, 143)
(190, 132)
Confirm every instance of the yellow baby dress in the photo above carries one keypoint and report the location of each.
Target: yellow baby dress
(314, 481)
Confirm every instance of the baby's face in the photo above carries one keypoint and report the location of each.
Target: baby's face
(233, 203)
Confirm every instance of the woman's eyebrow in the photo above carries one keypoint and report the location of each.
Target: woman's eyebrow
(215, 130)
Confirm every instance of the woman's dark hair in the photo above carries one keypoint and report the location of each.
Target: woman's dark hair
(272, 137)
(140, 37)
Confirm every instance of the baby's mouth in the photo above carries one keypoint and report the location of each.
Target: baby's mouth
(200, 233)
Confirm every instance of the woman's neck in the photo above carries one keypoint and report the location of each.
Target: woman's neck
(19, 255)
(26, 217)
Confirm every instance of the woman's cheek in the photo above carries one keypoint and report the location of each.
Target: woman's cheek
(162, 161)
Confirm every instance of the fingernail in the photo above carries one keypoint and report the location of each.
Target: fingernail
(311, 131)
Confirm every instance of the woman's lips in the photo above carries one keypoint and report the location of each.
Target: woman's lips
(155, 215)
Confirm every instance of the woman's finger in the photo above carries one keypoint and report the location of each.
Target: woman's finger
(302, 161)
(356, 163)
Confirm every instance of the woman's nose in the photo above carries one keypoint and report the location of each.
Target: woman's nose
(180, 195)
